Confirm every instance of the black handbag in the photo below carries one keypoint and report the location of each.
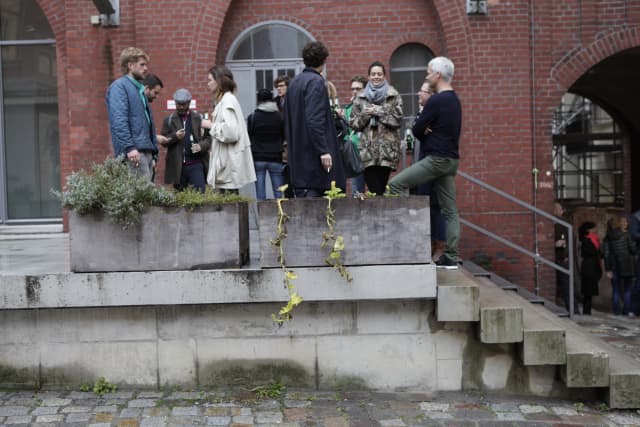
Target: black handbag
(351, 161)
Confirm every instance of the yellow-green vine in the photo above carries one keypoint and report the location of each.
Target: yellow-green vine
(330, 238)
(288, 275)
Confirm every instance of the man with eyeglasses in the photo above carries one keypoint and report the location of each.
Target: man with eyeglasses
(281, 84)
(357, 85)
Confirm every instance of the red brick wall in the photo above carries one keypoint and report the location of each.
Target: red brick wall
(512, 67)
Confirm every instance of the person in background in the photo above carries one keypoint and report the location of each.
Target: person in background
(634, 233)
(187, 148)
(438, 224)
(561, 258)
(438, 127)
(133, 133)
(309, 129)
(266, 131)
(591, 266)
(230, 161)
(152, 88)
(377, 114)
(357, 85)
(619, 260)
(281, 84)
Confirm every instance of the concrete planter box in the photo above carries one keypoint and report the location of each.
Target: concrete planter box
(213, 236)
(376, 231)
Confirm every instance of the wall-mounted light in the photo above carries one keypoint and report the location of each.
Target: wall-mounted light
(477, 7)
(109, 12)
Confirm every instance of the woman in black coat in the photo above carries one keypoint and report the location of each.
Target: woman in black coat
(591, 268)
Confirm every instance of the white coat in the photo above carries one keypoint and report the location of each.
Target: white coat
(230, 161)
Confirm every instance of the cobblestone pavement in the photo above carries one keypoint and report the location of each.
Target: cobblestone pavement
(299, 409)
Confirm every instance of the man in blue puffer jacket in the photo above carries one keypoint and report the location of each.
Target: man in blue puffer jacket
(130, 120)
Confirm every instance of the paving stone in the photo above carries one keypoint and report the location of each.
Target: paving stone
(154, 422)
(75, 409)
(182, 411)
(242, 419)
(78, 395)
(55, 401)
(625, 418)
(186, 395)
(12, 411)
(267, 405)
(103, 417)
(150, 395)
(439, 415)
(50, 418)
(564, 411)
(142, 403)
(186, 421)
(397, 422)
(130, 413)
(216, 412)
(18, 419)
(121, 395)
(223, 421)
(78, 417)
(269, 417)
(297, 403)
(100, 425)
(296, 414)
(335, 422)
(129, 423)
(241, 411)
(157, 411)
(105, 408)
(532, 409)
(504, 407)
(434, 407)
(510, 416)
(45, 410)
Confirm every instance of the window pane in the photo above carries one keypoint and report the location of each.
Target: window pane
(23, 20)
(272, 42)
(412, 55)
(31, 131)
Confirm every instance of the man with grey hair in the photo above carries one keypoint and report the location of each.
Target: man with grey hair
(438, 129)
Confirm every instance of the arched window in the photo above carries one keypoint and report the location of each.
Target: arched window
(29, 122)
(262, 53)
(408, 70)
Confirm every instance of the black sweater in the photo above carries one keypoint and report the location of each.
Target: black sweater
(443, 115)
(266, 131)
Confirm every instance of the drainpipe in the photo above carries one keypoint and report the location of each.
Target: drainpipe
(534, 161)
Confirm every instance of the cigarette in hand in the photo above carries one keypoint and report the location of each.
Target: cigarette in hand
(328, 169)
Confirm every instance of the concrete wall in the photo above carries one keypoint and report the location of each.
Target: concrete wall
(382, 345)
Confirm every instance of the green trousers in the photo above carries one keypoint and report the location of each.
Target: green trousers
(442, 171)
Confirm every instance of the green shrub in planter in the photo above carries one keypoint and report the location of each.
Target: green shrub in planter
(110, 188)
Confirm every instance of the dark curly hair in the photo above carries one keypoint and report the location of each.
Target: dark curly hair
(314, 54)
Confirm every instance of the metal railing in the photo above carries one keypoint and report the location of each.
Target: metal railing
(538, 259)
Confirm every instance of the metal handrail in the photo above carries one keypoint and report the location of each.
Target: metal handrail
(536, 256)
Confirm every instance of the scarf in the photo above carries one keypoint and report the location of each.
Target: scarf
(376, 95)
(594, 239)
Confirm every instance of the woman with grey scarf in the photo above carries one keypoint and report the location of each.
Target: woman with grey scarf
(377, 114)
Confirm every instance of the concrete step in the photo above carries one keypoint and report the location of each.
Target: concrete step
(457, 296)
(543, 341)
(501, 318)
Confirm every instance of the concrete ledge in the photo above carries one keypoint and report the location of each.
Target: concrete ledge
(457, 297)
(214, 286)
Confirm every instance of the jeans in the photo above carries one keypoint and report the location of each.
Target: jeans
(624, 284)
(275, 173)
(357, 185)
(442, 171)
(144, 166)
(193, 175)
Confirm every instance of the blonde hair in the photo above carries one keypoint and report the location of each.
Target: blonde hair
(333, 94)
(129, 55)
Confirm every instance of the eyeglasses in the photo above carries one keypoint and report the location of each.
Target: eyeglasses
(281, 85)
(356, 89)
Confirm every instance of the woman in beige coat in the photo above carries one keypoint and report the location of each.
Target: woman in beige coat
(230, 161)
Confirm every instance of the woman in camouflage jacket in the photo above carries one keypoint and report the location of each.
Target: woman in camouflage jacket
(377, 114)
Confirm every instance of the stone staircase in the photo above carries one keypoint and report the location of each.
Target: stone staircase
(542, 337)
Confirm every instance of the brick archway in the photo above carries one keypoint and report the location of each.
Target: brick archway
(578, 61)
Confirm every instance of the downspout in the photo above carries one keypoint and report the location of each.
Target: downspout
(534, 127)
